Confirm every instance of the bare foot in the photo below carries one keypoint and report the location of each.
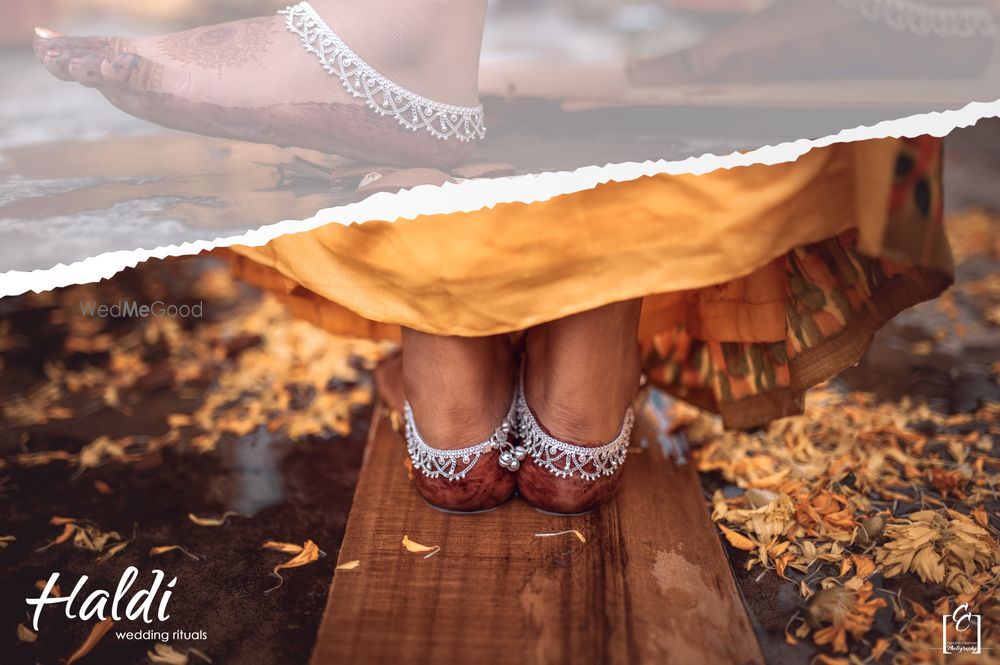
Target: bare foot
(581, 375)
(253, 80)
(460, 389)
(810, 39)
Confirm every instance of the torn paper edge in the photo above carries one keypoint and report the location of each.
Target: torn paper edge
(473, 195)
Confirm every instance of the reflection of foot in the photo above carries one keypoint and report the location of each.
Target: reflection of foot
(581, 375)
(459, 392)
(253, 80)
(815, 39)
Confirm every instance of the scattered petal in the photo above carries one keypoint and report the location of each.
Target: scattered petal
(166, 654)
(97, 633)
(309, 553)
(55, 591)
(413, 546)
(25, 634)
(163, 549)
(214, 521)
(579, 536)
(737, 540)
(287, 548)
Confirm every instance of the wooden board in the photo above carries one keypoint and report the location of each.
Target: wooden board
(651, 584)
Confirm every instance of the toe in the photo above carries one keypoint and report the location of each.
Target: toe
(86, 68)
(57, 53)
(118, 69)
(55, 59)
(133, 71)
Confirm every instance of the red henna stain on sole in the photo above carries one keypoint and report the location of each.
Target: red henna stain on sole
(564, 496)
(485, 486)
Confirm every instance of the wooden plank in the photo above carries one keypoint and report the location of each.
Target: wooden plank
(651, 584)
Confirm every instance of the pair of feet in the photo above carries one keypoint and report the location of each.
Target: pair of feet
(579, 376)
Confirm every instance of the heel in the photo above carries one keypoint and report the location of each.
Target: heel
(566, 478)
(471, 479)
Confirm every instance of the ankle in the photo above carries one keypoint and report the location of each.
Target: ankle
(430, 47)
(577, 419)
(581, 401)
(450, 421)
(459, 390)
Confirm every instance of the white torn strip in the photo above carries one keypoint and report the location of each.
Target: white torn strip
(472, 195)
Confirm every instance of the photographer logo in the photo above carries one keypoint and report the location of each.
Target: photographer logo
(962, 631)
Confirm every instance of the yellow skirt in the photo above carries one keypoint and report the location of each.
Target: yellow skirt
(759, 281)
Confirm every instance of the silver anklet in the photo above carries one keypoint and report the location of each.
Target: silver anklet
(382, 95)
(563, 459)
(923, 18)
(455, 464)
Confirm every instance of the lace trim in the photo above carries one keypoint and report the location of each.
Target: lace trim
(382, 95)
(455, 464)
(925, 20)
(563, 459)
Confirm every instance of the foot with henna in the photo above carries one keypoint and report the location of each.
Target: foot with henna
(375, 80)
(459, 425)
(579, 379)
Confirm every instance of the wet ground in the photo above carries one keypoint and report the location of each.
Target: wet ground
(282, 490)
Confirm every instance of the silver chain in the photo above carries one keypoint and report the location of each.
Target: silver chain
(565, 460)
(456, 464)
(922, 19)
(383, 96)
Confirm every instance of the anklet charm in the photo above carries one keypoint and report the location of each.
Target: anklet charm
(382, 95)
(455, 464)
(565, 460)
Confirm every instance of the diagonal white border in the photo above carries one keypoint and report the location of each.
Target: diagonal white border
(476, 194)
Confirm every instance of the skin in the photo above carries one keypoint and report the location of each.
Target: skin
(822, 38)
(581, 374)
(460, 390)
(252, 79)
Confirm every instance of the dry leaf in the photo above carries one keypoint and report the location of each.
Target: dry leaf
(213, 521)
(287, 548)
(349, 565)
(59, 521)
(25, 634)
(97, 633)
(112, 551)
(179, 419)
(6, 540)
(576, 533)
(307, 554)
(68, 530)
(166, 654)
(43, 457)
(881, 644)
(92, 539)
(416, 547)
(737, 540)
(56, 592)
(163, 549)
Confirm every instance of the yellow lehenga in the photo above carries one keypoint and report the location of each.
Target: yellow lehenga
(759, 281)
